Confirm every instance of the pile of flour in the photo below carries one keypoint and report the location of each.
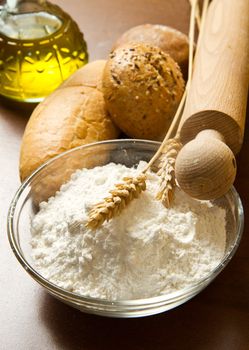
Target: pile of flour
(146, 251)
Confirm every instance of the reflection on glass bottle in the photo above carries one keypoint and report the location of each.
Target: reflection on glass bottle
(40, 46)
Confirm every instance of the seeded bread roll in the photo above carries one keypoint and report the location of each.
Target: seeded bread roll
(71, 116)
(168, 39)
(142, 87)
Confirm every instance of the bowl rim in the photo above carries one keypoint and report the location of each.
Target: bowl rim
(75, 297)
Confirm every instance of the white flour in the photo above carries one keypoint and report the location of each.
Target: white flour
(146, 251)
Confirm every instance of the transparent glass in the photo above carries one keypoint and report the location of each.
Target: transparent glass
(40, 46)
(47, 180)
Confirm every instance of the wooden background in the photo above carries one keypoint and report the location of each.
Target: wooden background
(30, 319)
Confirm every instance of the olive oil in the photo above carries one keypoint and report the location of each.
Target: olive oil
(38, 50)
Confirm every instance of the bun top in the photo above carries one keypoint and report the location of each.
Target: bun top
(142, 87)
(168, 39)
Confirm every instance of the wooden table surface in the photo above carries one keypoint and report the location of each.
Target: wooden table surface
(30, 319)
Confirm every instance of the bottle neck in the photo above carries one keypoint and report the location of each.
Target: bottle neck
(22, 6)
(28, 19)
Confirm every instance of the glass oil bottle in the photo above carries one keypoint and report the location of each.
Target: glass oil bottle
(40, 46)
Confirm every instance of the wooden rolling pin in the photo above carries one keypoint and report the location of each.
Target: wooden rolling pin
(215, 110)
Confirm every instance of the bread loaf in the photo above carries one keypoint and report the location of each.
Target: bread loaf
(73, 115)
(142, 87)
(168, 39)
(90, 75)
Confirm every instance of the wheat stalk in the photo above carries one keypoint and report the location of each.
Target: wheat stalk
(171, 146)
(125, 192)
(119, 197)
(163, 161)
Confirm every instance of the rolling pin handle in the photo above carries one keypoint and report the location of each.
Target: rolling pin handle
(206, 167)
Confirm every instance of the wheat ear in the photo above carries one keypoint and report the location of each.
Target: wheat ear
(166, 171)
(119, 197)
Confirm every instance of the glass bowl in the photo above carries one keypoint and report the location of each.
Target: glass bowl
(46, 180)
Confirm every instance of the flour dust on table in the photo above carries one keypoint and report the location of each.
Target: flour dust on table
(146, 251)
